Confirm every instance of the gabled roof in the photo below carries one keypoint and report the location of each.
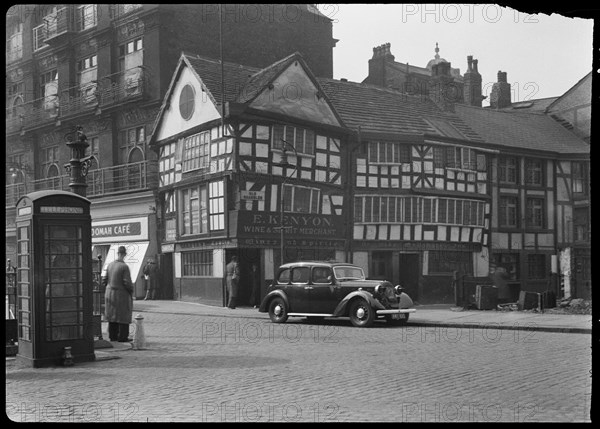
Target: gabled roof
(381, 110)
(573, 88)
(521, 130)
(208, 70)
(262, 78)
(233, 82)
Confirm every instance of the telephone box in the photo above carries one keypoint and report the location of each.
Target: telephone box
(54, 279)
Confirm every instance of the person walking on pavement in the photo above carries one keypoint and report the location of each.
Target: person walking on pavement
(232, 271)
(118, 298)
(150, 272)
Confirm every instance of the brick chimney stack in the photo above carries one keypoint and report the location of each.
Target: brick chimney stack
(381, 55)
(442, 89)
(472, 84)
(500, 96)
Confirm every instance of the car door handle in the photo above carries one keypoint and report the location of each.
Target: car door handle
(308, 287)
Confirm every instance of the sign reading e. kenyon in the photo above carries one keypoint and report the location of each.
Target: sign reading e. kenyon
(252, 224)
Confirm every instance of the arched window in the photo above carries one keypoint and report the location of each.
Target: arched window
(136, 169)
(53, 176)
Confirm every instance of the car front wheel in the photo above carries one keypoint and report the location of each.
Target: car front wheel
(278, 310)
(361, 313)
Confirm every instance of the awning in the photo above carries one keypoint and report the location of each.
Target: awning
(136, 255)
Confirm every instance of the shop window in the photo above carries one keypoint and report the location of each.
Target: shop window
(536, 266)
(198, 263)
(381, 262)
(194, 210)
(446, 262)
(510, 263)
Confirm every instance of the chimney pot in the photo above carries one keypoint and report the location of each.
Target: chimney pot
(501, 76)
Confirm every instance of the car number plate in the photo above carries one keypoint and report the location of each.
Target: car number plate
(399, 316)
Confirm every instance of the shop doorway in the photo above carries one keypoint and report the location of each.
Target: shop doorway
(249, 292)
(408, 265)
(165, 265)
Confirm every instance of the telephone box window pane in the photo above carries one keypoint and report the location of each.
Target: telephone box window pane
(24, 289)
(24, 261)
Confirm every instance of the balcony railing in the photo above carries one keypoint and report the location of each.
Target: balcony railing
(108, 91)
(122, 178)
(137, 176)
(59, 23)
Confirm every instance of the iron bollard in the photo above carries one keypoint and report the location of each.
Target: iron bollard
(139, 339)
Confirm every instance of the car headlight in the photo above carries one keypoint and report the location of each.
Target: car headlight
(398, 289)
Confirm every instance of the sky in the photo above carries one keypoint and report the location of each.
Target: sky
(543, 55)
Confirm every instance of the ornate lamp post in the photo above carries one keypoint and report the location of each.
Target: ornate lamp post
(285, 164)
(79, 164)
(18, 169)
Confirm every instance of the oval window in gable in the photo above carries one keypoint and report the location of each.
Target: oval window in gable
(186, 102)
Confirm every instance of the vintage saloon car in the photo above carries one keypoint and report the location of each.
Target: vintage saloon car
(334, 289)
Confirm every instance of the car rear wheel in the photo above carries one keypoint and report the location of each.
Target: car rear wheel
(397, 322)
(361, 313)
(278, 310)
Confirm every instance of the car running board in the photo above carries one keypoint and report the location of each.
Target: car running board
(310, 315)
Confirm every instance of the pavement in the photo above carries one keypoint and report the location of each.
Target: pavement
(441, 315)
(426, 315)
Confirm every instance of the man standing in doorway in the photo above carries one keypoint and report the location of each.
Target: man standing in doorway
(118, 298)
(150, 275)
(232, 271)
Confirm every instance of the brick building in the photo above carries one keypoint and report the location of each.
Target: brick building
(107, 68)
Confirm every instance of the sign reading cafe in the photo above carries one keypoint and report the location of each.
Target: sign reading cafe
(129, 229)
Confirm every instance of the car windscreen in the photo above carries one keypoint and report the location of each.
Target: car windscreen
(349, 273)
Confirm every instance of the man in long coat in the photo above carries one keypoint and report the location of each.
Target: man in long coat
(118, 298)
(232, 271)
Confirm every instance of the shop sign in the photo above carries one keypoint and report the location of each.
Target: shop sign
(252, 195)
(257, 225)
(130, 229)
(415, 245)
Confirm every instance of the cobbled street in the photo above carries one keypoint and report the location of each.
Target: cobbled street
(246, 369)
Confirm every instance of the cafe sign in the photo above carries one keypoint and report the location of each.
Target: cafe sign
(132, 229)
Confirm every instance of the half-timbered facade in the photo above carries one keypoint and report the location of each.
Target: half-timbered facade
(420, 190)
(540, 193)
(224, 186)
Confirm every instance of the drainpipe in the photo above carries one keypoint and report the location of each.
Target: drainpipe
(350, 193)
